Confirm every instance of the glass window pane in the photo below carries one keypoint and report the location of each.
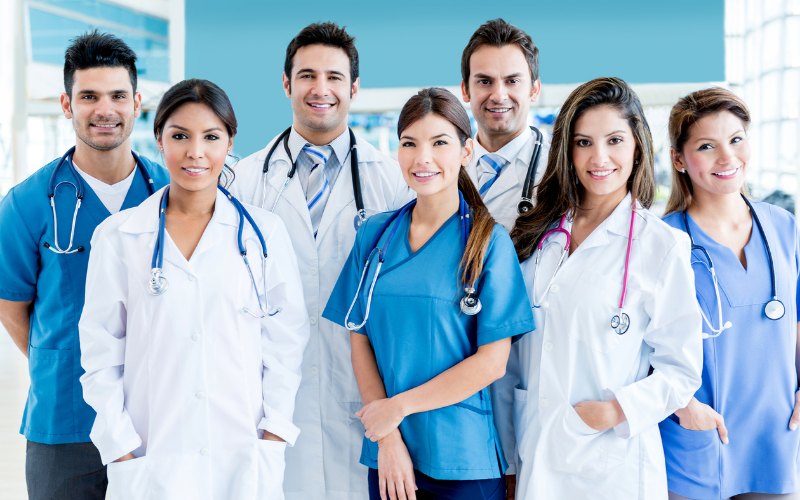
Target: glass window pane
(791, 93)
(792, 43)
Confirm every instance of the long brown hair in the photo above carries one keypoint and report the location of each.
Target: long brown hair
(686, 112)
(443, 103)
(560, 191)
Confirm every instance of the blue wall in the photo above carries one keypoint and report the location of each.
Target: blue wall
(240, 44)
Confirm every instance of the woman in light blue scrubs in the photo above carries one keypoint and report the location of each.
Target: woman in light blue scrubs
(432, 314)
(737, 438)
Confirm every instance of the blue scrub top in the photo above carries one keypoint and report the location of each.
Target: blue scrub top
(417, 331)
(749, 373)
(55, 411)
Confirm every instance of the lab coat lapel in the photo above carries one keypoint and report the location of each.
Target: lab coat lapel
(217, 231)
(293, 193)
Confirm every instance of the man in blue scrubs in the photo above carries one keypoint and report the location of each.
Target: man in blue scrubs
(44, 252)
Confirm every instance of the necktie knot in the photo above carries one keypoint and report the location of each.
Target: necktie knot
(494, 161)
(319, 155)
(491, 165)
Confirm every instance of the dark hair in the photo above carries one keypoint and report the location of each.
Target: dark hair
(559, 190)
(497, 33)
(443, 103)
(686, 112)
(94, 49)
(326, 33)
(201, 92)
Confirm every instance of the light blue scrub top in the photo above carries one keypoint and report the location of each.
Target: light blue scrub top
(749, 373)
(55, 412)
(417, 331)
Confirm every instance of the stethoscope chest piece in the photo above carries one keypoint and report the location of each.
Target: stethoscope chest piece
(470, 303)
(774, 309)
(158, 283)
(620, 323)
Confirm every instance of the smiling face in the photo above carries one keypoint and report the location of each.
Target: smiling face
(431, 156)
(103, 107)
(715, 155)
(603, 150)
(195, 144)
(321, 92)
(499, 92)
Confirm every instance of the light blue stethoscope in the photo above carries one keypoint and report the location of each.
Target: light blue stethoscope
(774, 309)
(77, 185)
(470, 304)
(158, 283)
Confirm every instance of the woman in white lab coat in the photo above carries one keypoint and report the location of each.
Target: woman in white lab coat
(191, 349)
(617, 345)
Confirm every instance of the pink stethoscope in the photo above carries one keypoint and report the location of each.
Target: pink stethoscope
(620, 322)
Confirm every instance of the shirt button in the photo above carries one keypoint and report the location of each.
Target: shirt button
(195, 336)
(313, 320)
(548, 346)
(200, 394)
(190, 277)
(543, 402)
(204, 451)
(546, 304)
(554, 288)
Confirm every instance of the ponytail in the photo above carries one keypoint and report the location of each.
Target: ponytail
(482, 226)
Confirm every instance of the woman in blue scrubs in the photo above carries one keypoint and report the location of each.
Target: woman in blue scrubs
(737, 438)
(423, 351)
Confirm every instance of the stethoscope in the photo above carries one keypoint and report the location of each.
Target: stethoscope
(526, 201)
(77, 185)
(620, 322)
(470, 304)
(774, 309)
(158, 283)
(361, 214)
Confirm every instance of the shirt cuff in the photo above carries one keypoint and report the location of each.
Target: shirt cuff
(279, 425)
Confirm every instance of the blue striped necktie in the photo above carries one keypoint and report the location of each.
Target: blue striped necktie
(489, 167)
(318, 188)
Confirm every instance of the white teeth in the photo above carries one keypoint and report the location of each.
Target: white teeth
(425, 174)
(194, 170)
(322, 106)
(499, 110)
(601, 173)
(105, 125)
(727, 173)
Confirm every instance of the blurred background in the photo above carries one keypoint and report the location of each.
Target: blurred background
(665, 49)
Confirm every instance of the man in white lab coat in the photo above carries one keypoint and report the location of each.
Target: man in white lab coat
(500, 81)
(319, 204)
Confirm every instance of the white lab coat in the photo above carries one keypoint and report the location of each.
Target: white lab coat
(185, 380)
(504, 195)
(324, 463)
(575, 356)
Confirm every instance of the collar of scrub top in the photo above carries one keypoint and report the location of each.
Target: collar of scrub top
(620, 322)
(77, 185)
(512, 150)
(391, 225)
(774, 309)
(352, 151)
(158, 283)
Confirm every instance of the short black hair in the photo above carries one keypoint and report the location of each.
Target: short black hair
(326, 33)
(498, 33)
(94, 49)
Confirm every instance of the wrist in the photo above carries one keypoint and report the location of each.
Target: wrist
(402, 403)
(390, 438)
(619, 415)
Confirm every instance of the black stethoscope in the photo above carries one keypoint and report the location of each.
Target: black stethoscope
(526, 202)
(77, 185)
(361, 214)
(469, 304)
(773, 309)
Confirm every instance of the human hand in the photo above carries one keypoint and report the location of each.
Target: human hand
(795, 420)
(125, 458)
(395, 469)
(600, 415)
(698, 416)
(268, 436)
(380, 417)
(511, 486)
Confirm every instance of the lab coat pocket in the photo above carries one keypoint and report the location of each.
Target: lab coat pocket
(128, 480)
(576, 448)
(271, 464)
